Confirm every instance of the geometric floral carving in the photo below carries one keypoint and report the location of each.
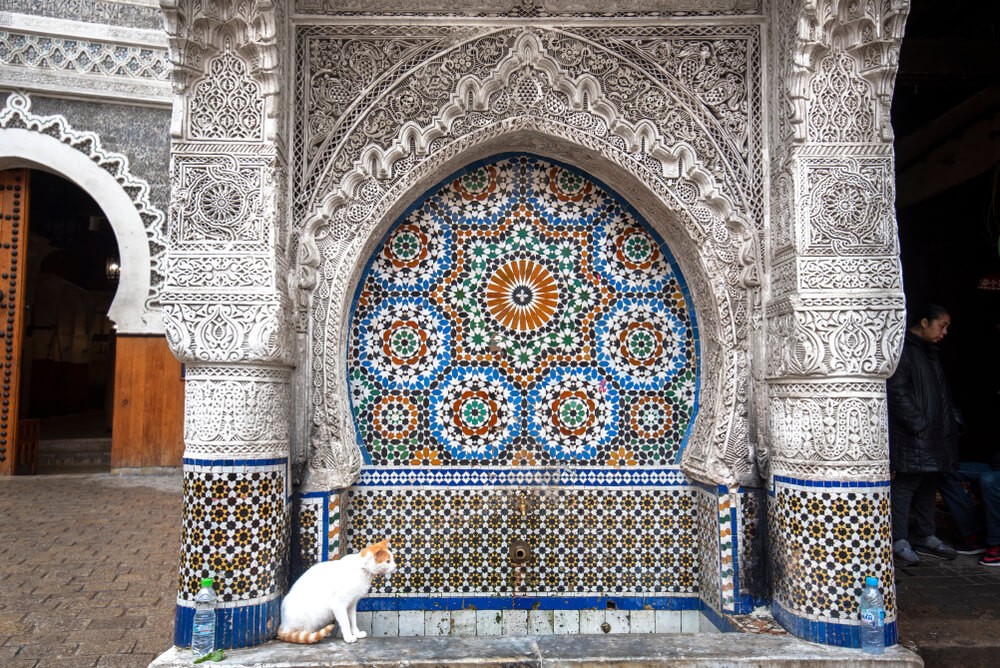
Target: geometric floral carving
(132, 14)
(841, 105)
(528, 8)
(850, 207)
(212, 273)
(227, 103)
(217, 199)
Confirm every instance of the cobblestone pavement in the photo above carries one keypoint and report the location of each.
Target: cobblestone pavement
(88, 568)
(949, 612)
(88, 565)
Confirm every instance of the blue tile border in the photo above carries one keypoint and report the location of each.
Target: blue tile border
(826, 632)
(719, 621)
(840, 484)
(233, 463)
(531, 603)
(246, 626)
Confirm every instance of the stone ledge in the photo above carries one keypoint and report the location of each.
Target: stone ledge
(733, 650)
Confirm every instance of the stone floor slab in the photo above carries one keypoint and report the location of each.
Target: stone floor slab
(687, 650)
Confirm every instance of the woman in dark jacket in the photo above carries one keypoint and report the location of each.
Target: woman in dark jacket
(923, 436)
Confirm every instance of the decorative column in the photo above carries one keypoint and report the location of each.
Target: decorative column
(835, 313)
(226, 312)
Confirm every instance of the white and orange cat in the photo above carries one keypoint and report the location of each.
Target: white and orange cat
(330, 590)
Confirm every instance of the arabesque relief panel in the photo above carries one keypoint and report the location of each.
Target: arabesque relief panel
(673, 109)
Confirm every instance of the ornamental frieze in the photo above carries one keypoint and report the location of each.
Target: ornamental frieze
(212, 273)
(849, 273)
(529, 8)
(827, 429)
(834, 336)
(835, 429)
(238, 408)
(228, 330)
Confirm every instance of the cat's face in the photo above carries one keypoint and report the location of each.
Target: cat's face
(379, 558)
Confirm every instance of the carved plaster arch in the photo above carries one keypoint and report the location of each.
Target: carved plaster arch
(667, 182)
(51, 144)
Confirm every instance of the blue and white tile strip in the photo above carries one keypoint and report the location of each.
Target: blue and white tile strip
(465, 476)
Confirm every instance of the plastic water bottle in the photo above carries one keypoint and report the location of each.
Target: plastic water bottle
(203, 629)
(872, 618)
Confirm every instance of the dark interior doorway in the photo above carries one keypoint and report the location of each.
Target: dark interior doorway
(945, 113)
(67, 353)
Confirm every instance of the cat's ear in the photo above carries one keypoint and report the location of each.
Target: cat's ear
(382, 555)
(375, 548)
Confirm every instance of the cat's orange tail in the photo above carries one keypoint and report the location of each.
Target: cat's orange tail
(305, 637)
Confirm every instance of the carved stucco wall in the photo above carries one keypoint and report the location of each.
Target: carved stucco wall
(669, 116)
(835, 305)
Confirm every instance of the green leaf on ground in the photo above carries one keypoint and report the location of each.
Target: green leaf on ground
(217, 655)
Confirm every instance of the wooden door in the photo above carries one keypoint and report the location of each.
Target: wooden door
(13, 257)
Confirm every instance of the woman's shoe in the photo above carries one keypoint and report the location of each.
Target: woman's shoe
(992, 556)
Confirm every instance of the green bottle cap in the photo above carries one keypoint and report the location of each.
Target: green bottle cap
(207, 583)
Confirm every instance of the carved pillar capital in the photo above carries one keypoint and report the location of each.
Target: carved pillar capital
(834, 336)
(231, 330)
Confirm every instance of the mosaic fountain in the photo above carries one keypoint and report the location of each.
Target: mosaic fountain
(588, 308)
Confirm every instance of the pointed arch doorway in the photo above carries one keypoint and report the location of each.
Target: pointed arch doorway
(73, 403)
(60, 267)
